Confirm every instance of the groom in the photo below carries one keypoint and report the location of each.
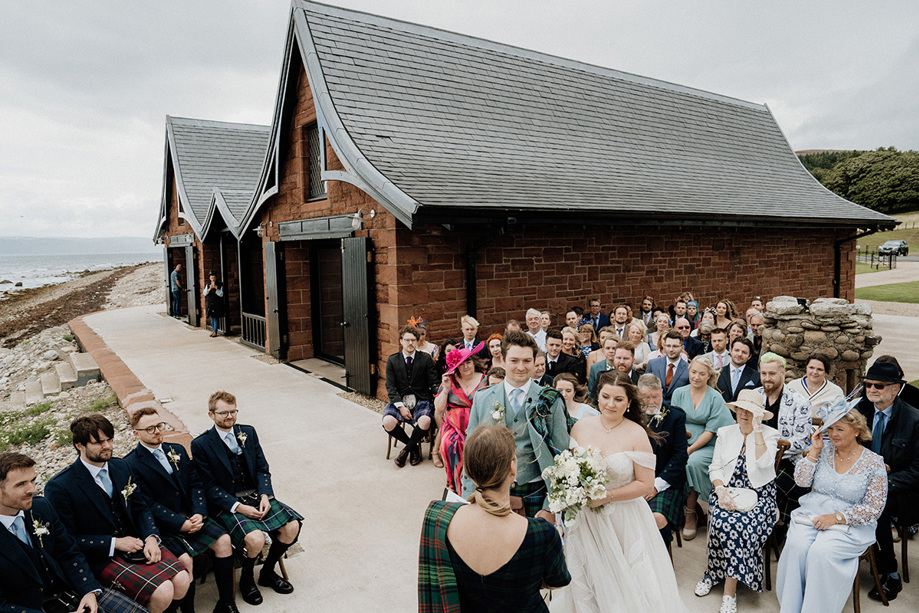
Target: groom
(527, 410)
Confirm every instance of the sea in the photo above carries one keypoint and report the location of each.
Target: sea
(39, 270)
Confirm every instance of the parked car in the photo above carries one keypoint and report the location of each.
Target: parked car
(894, 248)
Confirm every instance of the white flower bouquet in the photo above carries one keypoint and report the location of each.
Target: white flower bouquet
(577, 477)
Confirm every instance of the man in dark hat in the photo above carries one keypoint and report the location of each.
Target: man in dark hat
(895, 436)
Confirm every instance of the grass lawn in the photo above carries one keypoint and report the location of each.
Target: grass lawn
(911, 236)
(894, 292)
(864, 267)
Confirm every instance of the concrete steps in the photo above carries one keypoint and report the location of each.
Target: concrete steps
(78, 370)
(66, 374)
(34, 393)
(50, 384)
(18, 400)
(85, 368)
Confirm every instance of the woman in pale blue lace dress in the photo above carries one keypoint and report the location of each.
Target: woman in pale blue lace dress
(836, 521)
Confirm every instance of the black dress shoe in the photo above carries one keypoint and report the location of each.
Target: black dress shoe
(400, 459)
(225, 607)
(891, 588)
(269, 578)
(415, 456)
(249, 591)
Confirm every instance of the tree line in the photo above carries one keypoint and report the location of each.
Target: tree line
(885, 180)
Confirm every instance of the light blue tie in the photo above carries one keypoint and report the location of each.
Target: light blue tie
(19, 529)
(159, 455)
(231, 443)
(516, 400)
(106, 482)
(878, 433)
(735, 378)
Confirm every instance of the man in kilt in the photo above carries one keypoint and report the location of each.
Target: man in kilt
(171, 483)
(669, 423)
(240, 498)
(41, 568)
(102, 506)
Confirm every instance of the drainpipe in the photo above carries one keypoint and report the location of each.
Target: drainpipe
(837, 259)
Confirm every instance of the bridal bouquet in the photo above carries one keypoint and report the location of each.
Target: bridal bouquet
(577, 477)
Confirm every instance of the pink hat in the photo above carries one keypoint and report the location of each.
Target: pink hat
(458, 356)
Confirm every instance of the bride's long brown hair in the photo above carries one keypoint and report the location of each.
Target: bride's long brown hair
(634, 412)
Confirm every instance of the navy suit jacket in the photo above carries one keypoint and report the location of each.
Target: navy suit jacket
(173, 498)
(21, 581)
(749, 379)
(210, 453)
(84, 509)
(570, 364)
(671, 452)
(603, 321)
(658, 366)
(693, 347)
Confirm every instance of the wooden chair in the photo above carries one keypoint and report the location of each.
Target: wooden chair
(772, 543)
(869, 556)
(429, 438)
(903, 535)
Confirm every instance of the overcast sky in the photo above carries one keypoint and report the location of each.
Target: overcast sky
(85, 85)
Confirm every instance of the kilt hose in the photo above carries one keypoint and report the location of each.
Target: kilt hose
(139, 581)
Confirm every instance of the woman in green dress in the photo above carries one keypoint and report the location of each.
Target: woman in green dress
(705, 413)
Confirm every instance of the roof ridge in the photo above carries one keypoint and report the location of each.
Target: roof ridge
(491, 45)
(213, 123)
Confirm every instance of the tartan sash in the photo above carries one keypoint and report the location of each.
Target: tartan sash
(437, 588)
(542, 412)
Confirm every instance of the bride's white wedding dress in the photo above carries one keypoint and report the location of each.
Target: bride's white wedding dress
(616, 557)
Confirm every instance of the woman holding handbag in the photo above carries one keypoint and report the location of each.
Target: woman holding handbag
(742, 506)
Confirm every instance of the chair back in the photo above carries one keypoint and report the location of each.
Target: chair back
(783, 447)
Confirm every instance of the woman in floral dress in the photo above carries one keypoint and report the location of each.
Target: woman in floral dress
(452, 404)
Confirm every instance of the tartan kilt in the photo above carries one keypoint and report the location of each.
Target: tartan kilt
(113, 601)
(533, 494)
(238, 525)
(197, 543)
(139, 581)
(669, 503)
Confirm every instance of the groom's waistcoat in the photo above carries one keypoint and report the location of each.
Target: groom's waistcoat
(527, 466)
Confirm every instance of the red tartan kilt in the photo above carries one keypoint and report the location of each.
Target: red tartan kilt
(139, 581)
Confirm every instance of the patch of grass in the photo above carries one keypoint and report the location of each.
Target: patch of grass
(68, 337)
(911, 235)
(38, 409)
(101, 405)
(64, 438)
(8, 417)
(31, 433)
(892, 292)
(864, 267)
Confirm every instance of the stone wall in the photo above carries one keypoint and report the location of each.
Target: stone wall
(835, 327)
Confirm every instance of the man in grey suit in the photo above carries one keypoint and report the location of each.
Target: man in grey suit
(671, 368)
(719, 355)
(534, 415)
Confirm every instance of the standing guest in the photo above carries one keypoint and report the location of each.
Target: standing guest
(608, 363)
(705, 413)
(545, 320)
(723, 316)
(670, 367)
(470, 328)
(177, 501)
(176, 289)
(512, 324)
(669, 447)
(744, 458)
(815, 384)
(895, 437)
(573, 393)
(792, 418)
(637, 335)
(647, 311)
(757, 324)
(661, 327)
(534, 328)
(539, 435)
(602, 335)
(495, 375)
(740, 374)
(848, 489)
(451, 409)
(736, 329)
(213, 301)
(102, 507)
(588, 339)
(594, 316)
(621, 318)
(708, 315)
(494, 351)
(558, 361)
(757, 303)
(411, 380)
(39, 570)
(483, 556)
(750, 313)
(539, 372)
(240, 497)
(719, 355)
(572, 318)
(679, 310)
(692, 313)
(421, 324)
(691, 346)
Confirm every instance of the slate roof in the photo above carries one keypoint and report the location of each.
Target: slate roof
(459, 122)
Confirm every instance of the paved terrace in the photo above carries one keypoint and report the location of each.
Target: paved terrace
(363, 516)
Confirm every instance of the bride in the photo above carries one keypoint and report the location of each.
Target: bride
(617, 559)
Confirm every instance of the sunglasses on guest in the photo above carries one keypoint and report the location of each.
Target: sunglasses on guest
(880, 386)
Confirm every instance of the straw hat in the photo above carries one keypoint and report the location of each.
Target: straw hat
(750, 400)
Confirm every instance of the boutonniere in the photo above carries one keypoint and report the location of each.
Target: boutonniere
(657, 419)
(242, 438)
(39, 530)
(128, 490)
(174, 458)
(497, 413)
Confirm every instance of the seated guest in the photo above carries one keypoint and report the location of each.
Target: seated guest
(451, 409)
(908, 393)
(691, 346)
(594, 317)
(740, 374)
(602, 335)
(670, 368)
(440, 365)
(736, 329)
(792, 418)
(704, 335)
(744, 458)
(545, 320)
(719, 355)
(411, 381)
(705, 413)
(421, 324)
(620, 324)
(815, 384)
(661, 327)
(240, 497)
(494, 351)
(708, 315)
(757, 324)
(646, 312)
(608, 363)
(895, 437)
(540, 377)
(570, 341)
(482, 556)
(574, 394)
(693, 314)
(41, 568)
(848, 489)
(558, 361)
(470, 328)
(588, 339)
(107, 513)
(670, 450)
(572, 318)
(495, 375)
(534, 328)
(169, 480)
(637, 335)
(624, 360)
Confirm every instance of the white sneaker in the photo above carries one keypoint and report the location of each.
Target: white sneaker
(729, 604)
(703, 587)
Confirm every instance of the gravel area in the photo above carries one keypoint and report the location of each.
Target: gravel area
(374, 404)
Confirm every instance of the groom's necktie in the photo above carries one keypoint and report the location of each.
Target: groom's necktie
(516, 400)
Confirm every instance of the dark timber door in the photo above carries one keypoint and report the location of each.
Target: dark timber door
(356, 323)
(329, 295)
(191, 288)
(276, 342)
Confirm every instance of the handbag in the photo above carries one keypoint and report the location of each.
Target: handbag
(744, 498)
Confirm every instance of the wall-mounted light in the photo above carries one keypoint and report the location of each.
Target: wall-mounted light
(357, 220)
(259, 231)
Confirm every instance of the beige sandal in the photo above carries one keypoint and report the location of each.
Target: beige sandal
(438, 462)
(688, 535)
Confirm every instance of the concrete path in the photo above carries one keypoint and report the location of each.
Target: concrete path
(363, 515)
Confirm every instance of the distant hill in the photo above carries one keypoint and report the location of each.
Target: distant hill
(26, 245)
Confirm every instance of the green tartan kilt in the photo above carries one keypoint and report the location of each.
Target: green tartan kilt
(197, 543)
(669, 503)
(533, 494)
(238, 525)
